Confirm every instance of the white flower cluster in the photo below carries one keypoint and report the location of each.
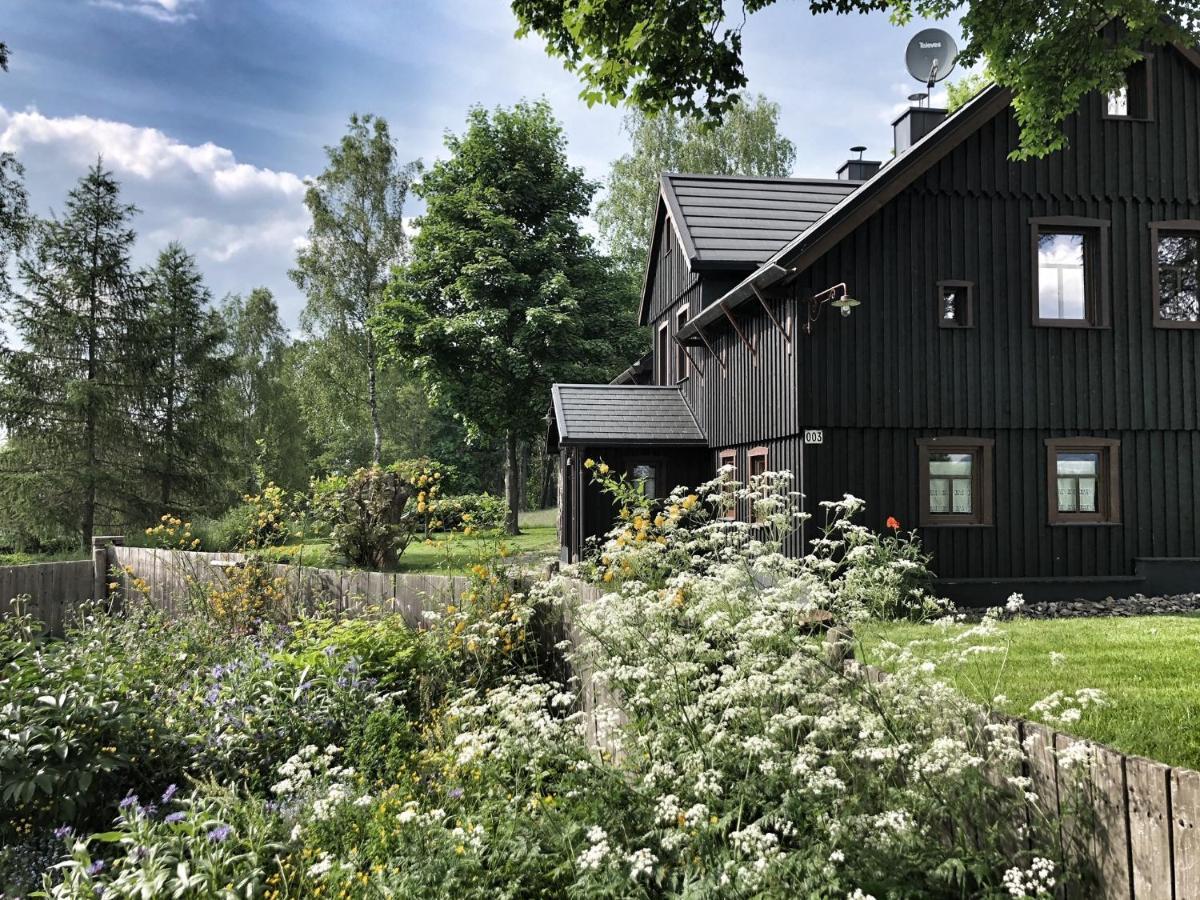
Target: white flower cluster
(1062, 708)
(1035, 882)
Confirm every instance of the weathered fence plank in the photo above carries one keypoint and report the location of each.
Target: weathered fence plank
(1185, 808)
(1097, 834)
(53, 588)
(1149, 828)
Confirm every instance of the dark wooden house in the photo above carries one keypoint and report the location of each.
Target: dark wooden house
(1005, 355)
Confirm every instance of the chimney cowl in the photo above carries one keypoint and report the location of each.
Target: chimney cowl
(858, 169)
(914, 123)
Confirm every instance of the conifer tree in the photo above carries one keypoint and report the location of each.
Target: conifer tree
(65, 389)
(187, 368)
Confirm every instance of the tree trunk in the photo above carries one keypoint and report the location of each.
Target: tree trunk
(523, 489)
(512, 483)
(373, 400)
(544, 499)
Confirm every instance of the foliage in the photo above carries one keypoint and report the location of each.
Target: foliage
(963, 90)
(270, 436)
(362, 759)
(250, 594)
(368, 514)
(180, 413)
(687, 56)
(15, 220)
(356, 236)
(470, 512)
(64, 392)
(746, 142)
(504, 293)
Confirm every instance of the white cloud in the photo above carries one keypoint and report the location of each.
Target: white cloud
(171, 11)
(144, 152)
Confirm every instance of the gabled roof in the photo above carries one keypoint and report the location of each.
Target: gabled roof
(735, 222)
(732, 219)
(622, 414)
(868, 197)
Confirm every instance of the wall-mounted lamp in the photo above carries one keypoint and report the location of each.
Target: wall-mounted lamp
(837, 296)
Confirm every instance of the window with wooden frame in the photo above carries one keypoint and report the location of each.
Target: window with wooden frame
(662, 367)
(1176, 284)
(1132, 100)
(681, 359)
(1083, 481)
(729, 458)
(956, 304)
(956, 480)
(756, 464)
(1070, 271)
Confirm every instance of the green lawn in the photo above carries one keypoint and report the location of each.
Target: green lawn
(1148, 666)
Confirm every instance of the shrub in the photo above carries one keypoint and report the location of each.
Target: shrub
(373, 514)
(260, 520)
(471, 511)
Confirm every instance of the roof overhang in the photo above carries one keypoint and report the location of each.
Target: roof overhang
(596, 415)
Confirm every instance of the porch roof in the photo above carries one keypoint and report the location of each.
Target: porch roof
(622, 415)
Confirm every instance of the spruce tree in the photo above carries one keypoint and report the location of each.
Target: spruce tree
(66, 388)
(187, 367)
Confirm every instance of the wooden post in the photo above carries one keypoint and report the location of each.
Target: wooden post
(103, 559)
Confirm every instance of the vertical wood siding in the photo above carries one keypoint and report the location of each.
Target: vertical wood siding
(888, 374)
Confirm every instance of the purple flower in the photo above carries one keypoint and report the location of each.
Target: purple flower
(456, 793)
(96, 868)
(130, 800)
(169, 793)
(62, 832)
(175, 818)
(219, 833)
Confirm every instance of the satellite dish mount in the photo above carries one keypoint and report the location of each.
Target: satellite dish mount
(931, 56)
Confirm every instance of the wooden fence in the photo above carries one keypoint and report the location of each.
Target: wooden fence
(51, 587)
(1143, 834)
(1140, 818)
(166, 576)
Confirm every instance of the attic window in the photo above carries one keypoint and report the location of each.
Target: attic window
(1132, 99)
(681, 358)
(956, 304)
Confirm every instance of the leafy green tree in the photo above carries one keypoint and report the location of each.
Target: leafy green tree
(357, 235)
(66, 390)
(687, 55)
(504, 294)
(747, 142)
(183, 417)
(961, 92)
(270, 432)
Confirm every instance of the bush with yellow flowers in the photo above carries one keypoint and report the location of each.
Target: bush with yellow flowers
(373, 514)
(249, 595)
(172, 533)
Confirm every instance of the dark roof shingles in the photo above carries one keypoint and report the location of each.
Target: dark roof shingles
(737, 219)
(624, 414)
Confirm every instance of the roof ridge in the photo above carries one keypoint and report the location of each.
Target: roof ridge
(775, 179)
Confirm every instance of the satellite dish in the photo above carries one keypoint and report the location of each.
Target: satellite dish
(931, 55)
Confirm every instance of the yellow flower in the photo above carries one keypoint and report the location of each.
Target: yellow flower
(603, 468)
(588, 463)
(690, 501)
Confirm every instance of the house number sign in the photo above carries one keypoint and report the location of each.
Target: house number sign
(814, 436)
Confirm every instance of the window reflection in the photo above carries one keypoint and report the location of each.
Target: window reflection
(1061, 291)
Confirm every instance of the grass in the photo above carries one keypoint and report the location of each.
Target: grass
(26, 559)
(1146, 665)
(446, 553)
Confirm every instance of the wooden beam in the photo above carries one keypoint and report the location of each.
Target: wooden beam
(763, 301)
(740, 333)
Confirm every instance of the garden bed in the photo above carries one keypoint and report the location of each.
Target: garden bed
(1146, 665)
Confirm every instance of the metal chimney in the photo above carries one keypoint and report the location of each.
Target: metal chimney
(858, 169)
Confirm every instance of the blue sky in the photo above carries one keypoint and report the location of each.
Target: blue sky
(212, 112)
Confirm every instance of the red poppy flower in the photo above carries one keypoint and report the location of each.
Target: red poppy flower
(893, 523)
